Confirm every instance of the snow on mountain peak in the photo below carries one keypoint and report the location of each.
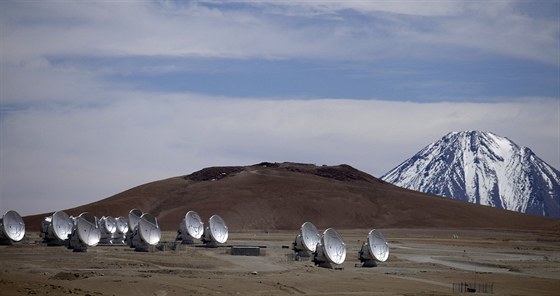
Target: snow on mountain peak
(483, 168)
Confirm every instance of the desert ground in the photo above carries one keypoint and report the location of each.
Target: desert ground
(421, 262)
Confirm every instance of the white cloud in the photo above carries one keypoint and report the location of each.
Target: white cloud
(501, 30)
(38, 81)
(433, 29)
(141, 28)
(416, 8)
(496, 27)
(70, 156)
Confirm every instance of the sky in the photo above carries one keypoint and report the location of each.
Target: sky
(97, 97)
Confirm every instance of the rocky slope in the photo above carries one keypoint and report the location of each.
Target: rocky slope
(270, 196)
(482, 168)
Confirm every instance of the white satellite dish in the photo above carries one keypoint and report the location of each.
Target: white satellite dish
(107, 226)
(216, 232)
(12, 228)
(122, 225)
(119, 236)
(306, 241)
(147, 233)
(191, 227)
(55, 229)
(374, 249)
(331, 249)
(74, 220)
(133, 218)
(85, 233)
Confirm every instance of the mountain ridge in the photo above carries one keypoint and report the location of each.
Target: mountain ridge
(269, 196)
(482, 168)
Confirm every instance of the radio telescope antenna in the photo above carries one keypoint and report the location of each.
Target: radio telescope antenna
(74, 220)
(306, 241)
(55, 229)
(12, 228)
(147, 233)
(122, 225)
(190, 228)
(119, 236)
(374, 249)
(331, 250)
(133, 218)
(107, 226)
(216, 232)
(85, 233)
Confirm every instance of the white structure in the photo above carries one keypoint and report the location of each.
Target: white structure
(306, 241)
(119, 236)
(133, 218)
(55, 229)
(107, 226)
(331, 250)
(216, 232)
(12, 228)
(374, 250)
(85, 233)
(190, 228)
(147, 233)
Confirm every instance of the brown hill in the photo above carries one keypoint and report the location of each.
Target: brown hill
(284, 195)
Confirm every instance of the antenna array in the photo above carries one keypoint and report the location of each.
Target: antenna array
(141, 230)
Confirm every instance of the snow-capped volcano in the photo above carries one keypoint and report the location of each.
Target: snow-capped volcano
(483, 168)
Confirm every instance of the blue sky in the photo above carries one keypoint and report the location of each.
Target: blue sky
(97, 97)
(426, 81)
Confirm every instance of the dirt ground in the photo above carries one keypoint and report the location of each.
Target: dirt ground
(421, 262)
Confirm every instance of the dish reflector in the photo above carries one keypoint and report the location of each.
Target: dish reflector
(74, 220)
(331, 249)
(87, 229)
(218, 229)
(61, 225)
(12, 227)
(194, 225)
(334, 246)
(108, 224)
(310, 236)
(374, 249)
(149, 229)
(215, 233)
(108, 227)
(121, 230)
(378, 245)
(122, 225)
(133, 218)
